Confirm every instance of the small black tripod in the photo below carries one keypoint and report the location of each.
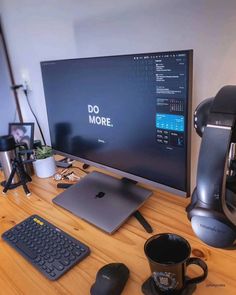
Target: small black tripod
(18, 167)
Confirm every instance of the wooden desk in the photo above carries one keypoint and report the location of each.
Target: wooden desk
(165, 212)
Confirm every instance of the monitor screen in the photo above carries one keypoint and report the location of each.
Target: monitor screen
(127, 113)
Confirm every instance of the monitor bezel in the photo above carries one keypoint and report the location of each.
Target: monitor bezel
(134, 177)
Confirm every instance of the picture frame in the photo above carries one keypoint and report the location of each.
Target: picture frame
(23, 133)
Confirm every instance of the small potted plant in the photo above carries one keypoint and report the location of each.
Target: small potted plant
(44, 164)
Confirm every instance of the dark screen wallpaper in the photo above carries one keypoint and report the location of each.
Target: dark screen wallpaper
(126, 112)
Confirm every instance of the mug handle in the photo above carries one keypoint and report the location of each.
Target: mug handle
(203, 266)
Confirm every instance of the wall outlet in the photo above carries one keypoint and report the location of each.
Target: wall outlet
(25, 80)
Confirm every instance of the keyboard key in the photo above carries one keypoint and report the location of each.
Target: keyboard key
(70, 248)
(49, 266)
(58, 248)
(76, 252)
(41, 262)
(58, 256)
(54, 253)
(51, 259)
(43, 253)
(62, 251)
(72, 257)
(58, 265)
(64, 262)
(46, 256)
(37, 259)
(67, 254)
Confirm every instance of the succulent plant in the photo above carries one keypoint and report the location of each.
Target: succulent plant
(43, 153)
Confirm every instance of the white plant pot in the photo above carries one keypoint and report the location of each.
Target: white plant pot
(45, 167)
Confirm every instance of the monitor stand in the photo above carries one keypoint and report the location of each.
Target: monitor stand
(103, 200)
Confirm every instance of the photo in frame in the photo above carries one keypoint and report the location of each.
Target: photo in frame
(23, 133)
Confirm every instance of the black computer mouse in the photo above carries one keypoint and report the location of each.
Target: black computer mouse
(110, 279)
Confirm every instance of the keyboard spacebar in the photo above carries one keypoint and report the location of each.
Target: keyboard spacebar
(26, 250)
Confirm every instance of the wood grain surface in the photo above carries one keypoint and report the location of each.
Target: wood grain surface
(165, 212)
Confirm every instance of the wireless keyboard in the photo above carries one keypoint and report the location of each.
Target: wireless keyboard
(48, 248)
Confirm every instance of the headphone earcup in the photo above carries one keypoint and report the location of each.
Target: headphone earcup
(212, 228)
(201, 115)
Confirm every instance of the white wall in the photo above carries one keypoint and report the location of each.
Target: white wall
(8, 111)
(43, 30)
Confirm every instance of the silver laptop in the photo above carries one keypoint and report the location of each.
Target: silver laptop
(103, 200)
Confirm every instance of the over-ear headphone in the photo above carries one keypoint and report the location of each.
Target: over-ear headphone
(212, 210)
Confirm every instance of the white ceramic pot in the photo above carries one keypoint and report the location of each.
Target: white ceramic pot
(45, 167)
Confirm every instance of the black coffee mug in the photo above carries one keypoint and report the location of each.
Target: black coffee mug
(169, 256)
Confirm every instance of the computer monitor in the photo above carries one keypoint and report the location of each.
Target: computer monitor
(129, 114)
